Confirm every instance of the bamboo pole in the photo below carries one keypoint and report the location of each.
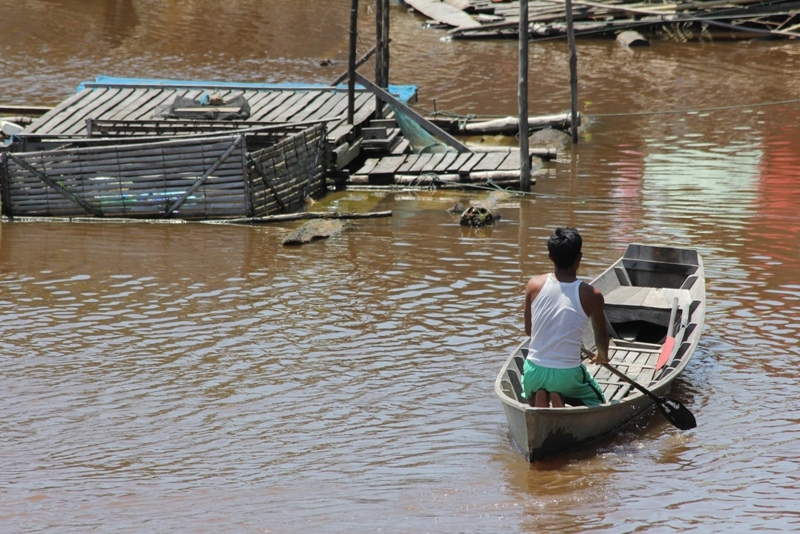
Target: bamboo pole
(573, 73)
(351, 71)
(522, 96)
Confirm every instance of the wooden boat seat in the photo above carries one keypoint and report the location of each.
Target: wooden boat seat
(653, 304)
(647, 297)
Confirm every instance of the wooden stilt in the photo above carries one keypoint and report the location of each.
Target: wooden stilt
(522, 95)
(386, 41)
(351, 84)
(573, 72)
(379, 6)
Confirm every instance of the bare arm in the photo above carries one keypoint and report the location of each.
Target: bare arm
(594, 306)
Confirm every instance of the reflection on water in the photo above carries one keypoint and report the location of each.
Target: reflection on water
(197, 377)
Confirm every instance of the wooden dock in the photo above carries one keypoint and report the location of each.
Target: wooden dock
(125, 107)
(195, 150)
(673, 21)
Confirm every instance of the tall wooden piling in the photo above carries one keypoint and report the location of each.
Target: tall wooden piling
(379, 6)
(351, 70)
(573, 73)
(522, 95)
(386, 41)
(382, 50)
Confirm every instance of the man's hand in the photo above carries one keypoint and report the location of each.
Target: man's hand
(599, 360)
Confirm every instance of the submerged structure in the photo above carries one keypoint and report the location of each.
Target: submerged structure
(191, 150)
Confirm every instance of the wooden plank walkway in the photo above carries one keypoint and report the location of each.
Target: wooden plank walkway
(500, 167)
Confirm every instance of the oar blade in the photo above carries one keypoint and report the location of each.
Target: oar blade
(676, 413)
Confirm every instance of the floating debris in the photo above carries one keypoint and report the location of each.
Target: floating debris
(315, 229)
(683, 21)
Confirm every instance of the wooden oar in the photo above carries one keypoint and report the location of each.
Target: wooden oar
(675, 412)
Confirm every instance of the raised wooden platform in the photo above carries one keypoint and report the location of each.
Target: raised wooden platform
(116, 107)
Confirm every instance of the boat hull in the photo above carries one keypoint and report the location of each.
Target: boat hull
(543, 432)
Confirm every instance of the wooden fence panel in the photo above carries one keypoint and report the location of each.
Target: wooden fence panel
(282, 176)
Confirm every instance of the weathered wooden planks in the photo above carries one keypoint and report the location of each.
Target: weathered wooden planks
(501, 167)
(192, 178)
(137, 102)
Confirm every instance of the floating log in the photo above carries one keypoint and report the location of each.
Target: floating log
(510, 125)
(307, 215)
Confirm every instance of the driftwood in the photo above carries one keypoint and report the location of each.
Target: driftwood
(316, 229)
(503, 126)
(510, 125)
(307, 215)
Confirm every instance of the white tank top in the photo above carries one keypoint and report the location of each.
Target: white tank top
(557, 324)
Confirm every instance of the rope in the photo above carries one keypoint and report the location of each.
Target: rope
(698, 110)
(463, 118)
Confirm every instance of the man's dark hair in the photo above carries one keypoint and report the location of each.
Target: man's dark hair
(564, 247)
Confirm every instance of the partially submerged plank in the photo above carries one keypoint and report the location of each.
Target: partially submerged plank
(308, 215)
(491, 161)
(444, 13)
(388, 165)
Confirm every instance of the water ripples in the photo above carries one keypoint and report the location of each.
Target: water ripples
(195, 377)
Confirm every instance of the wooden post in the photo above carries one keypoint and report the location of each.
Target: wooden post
(379, 56)
(573, 73)
(522, 96)
(386, 41)
(363, 59)
(351, 71)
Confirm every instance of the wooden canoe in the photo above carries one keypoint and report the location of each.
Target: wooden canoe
(640, 289)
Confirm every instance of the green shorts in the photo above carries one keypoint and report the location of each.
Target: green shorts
(575, 383)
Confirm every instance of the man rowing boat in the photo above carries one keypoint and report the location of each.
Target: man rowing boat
(557, 308)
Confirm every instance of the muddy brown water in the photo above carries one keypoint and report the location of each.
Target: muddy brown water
(176, 378)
